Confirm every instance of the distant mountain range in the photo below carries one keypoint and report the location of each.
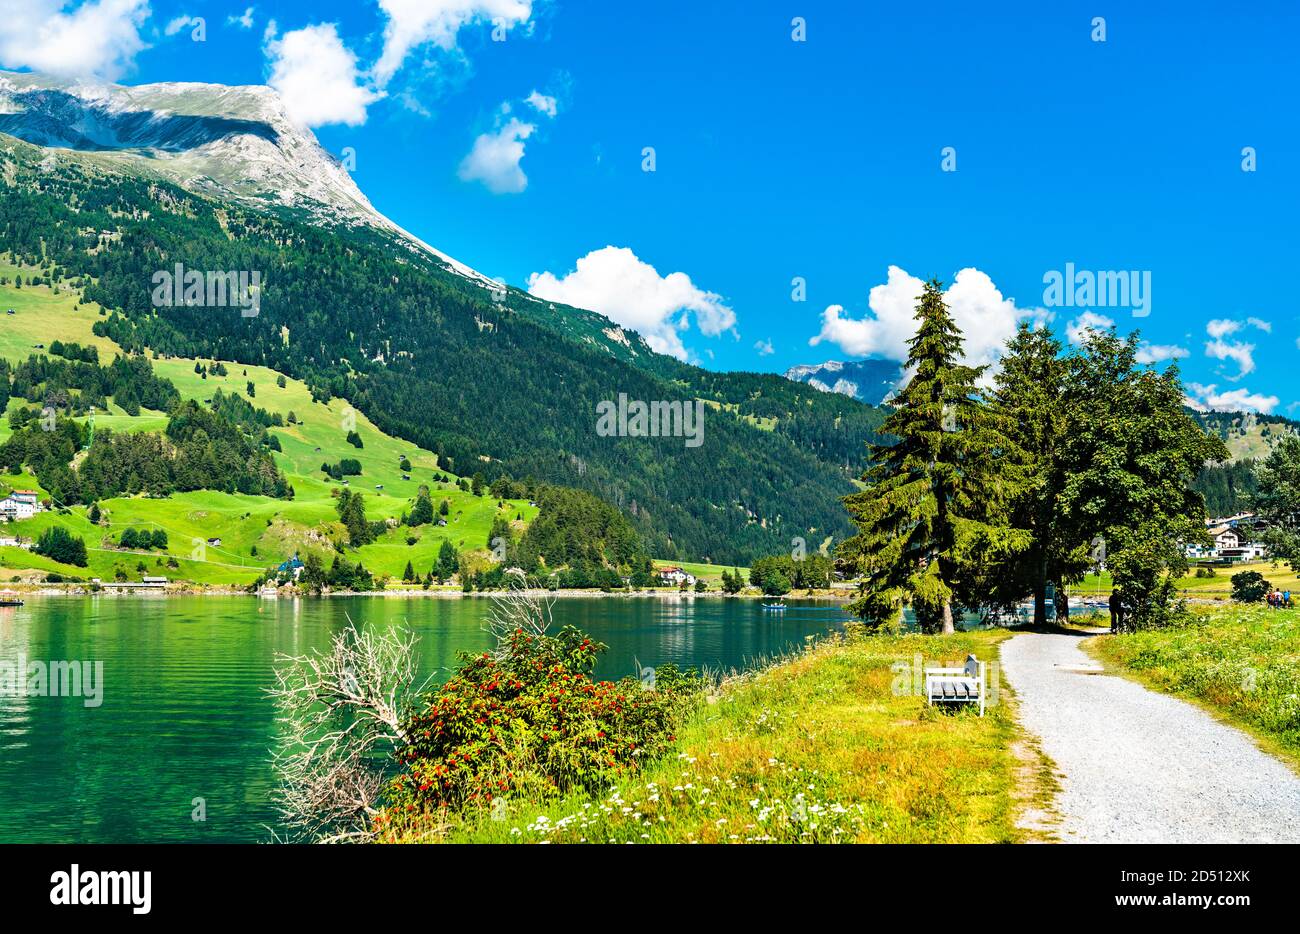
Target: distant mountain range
(868, 381)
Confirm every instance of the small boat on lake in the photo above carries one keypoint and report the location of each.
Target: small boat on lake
(774, 606)
(10, 599)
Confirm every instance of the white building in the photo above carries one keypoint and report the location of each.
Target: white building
(1225, 536)
(676, 576)
(1231, 542)
(20, 504)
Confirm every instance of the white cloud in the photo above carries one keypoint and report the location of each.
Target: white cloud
(1159, 353)
(630, 292)
(494, 159)
(1076, 330)
(178, 24)
(986, 318)
(764, 348)
(316, 75)
(97, 38)
(1208, 398)
(542, 103)
(1222, 327)
(244, 21)
(1241, 352)
(413, 23)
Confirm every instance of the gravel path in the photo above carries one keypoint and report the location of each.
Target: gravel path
(1142, 767)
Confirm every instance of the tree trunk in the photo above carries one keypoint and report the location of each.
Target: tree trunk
(1040, 581)
(948, 628)
(1040, 602)
(1062, 604)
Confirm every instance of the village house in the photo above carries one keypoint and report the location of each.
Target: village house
(1225, 536)
(676, 576)
(20, 504)
(1232, 539)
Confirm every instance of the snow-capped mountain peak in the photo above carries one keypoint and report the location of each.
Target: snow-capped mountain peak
(869, 381)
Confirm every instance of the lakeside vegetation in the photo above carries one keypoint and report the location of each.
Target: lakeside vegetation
(832, 743)
(1243, 662)
(817, 748)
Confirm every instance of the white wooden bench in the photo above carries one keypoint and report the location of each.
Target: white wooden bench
(966, 685)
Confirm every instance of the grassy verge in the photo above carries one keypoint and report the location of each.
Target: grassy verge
(818, 748)
(1242, 663)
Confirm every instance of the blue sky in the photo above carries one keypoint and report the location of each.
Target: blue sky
(821, 159)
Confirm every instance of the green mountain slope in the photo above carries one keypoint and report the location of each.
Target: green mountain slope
(275, 528)
(492, 384)
(1250, 437)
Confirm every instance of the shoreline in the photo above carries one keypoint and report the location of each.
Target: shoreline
(79, 590)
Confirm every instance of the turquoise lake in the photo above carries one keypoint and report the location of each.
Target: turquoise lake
(184, 714)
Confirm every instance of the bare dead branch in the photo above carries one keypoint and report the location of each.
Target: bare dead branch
(341, 713)
(515, 608)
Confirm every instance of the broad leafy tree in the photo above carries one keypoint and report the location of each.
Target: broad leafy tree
(1131, 453)
(1277, 501)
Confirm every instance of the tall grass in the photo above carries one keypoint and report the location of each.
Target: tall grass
(1241, 661)
(817, 748)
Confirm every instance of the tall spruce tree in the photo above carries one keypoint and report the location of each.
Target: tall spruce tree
(933, 507)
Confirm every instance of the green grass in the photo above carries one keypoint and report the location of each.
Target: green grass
(276, 528)
(42, 317)
(818, 748)
(710, 573)
(1218, 587)
(1241, 662)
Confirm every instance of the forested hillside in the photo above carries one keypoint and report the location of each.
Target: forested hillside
(1228, 487)
(492, 386)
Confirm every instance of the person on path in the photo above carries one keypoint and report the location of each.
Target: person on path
(1116, 611)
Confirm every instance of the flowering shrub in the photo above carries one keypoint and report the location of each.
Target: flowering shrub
(530, 721)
